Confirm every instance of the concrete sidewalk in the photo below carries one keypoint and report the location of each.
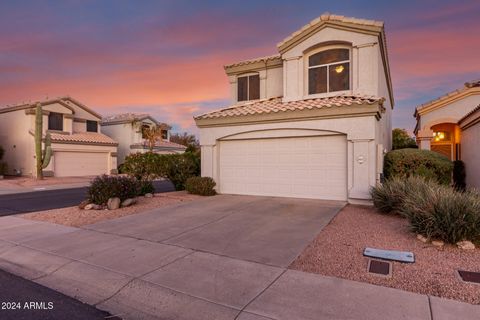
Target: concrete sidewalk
(141, 279)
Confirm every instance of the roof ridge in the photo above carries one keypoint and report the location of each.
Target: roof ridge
(466, 86)
(253, 60)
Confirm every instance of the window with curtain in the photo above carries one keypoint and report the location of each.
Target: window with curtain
(248, 88)
(55, 121)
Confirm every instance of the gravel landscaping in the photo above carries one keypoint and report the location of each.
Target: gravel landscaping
(75, 217)
(337, 251)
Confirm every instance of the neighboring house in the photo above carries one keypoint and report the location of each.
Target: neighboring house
(313, 121)
(449, 125)
(79, 148)
(127, 128)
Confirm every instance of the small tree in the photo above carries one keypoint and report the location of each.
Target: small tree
(187, 140)
(152, 134)
(401, 139)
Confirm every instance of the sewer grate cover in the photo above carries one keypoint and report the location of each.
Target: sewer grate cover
(469, 276)
(378, 267)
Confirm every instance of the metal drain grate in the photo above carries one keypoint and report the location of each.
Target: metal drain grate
(469, 276)
(378, 267)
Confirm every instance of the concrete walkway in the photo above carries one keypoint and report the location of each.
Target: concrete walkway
(183, 262)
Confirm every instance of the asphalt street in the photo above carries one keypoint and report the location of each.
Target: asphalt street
(22, 299)
(52, 199)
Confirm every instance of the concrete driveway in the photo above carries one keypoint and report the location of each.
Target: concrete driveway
(223, 257)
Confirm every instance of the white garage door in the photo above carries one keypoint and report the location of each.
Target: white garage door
(303, 167)
(71, 164)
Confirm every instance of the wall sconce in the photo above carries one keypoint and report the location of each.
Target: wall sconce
(439, 136)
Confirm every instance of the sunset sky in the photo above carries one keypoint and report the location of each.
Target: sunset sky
(166, 57)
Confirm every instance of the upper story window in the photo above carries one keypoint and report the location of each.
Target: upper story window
(329, 71)
(165, 134)
(55, 121)
(92, 126)
(248, 88)
(145, 129)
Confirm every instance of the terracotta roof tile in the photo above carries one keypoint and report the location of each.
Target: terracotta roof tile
(163, 144)
(275, 105)
(83, 137)
(129, 116)
(250, 61)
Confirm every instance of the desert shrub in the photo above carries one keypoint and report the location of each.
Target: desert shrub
(203, 186)
(404, 163)
(175, 167)
(104, 187)
(388, 197)
(444, 213)
(145, 186)
(459, 175)
(433, 210)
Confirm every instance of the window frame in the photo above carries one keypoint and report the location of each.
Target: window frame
(61, 121)
(91, 121)
(327, 65)
(248, 75)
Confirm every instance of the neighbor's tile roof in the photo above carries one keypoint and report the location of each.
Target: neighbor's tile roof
(83, 137)
(467, 86)
(129, 116)
(275, 105)
(475, 110)
(163, 144)
(250, 61)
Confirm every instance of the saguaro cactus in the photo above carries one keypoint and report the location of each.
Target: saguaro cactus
(42, 156)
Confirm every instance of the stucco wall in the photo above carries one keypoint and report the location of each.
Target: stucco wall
(471, 154)
(362, 147)
(364, 63)
(449, 113)
(271, 83)
(124, 134)
(16, 141)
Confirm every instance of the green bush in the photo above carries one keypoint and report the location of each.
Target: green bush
(203, 186)
(105, 187)
(404, 163)
(433, 210)
(175, 167)
(459, 175)
(145, 186)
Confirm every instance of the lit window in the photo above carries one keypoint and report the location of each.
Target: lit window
(440, 136)
(248, 88)
(329, 71)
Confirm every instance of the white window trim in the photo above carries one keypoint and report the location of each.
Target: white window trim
(306, 94)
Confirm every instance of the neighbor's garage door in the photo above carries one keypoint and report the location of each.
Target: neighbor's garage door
(70, 164)
(304, 167)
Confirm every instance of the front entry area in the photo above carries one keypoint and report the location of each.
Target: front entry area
(312, 167)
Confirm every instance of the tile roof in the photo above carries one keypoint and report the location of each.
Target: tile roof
(250, 61)
(275, 105)
(467, 86)
(83, 137)
(475, 110)
(332, 17)
(129, 116)
(163, 144)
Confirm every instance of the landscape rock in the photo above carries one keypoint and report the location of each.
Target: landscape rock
(113, 203)
(83, 204)
(149, 195)
(438, 243)
(422, 238)
(128, 202)
(466, 245)
(89, 206)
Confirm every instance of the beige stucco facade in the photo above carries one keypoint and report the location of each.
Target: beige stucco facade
(470, 132)
(366, 129)
(17, 127)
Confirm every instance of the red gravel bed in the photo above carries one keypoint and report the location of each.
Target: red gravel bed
(337, 251)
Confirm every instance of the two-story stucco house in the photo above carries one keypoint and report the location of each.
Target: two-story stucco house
(312, 121)
(79, 148)
(450, 125)
(127, 129)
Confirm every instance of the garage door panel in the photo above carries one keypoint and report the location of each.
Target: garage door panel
(71, 164)
(308, 167)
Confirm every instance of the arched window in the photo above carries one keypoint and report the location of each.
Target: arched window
(329, 71)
